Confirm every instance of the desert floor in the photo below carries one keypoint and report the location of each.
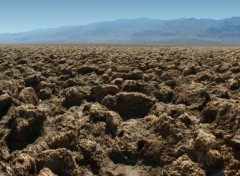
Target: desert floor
(119, 110)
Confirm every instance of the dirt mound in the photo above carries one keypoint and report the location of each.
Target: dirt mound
(113, 110)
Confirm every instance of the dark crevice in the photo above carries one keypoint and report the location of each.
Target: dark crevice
(125, 158)
(140, 145)
(14, 143)
(120, 134)
(110, 130)
(209, 116)
(3, 112)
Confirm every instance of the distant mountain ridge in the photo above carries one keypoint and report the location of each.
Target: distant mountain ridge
(189, 31)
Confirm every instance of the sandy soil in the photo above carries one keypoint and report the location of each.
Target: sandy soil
(114, 110)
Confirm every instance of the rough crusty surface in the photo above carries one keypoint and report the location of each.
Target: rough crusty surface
(119, 111)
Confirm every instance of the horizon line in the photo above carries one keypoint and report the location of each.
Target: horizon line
(104, 21)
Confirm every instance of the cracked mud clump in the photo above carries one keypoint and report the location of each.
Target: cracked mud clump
(119, 110)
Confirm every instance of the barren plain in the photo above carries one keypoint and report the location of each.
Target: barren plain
(119, 110)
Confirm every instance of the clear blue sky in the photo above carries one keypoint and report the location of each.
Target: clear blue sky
(24, 15)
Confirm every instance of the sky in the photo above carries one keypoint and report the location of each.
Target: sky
(25, 15)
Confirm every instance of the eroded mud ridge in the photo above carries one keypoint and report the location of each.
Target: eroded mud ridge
(112, 110)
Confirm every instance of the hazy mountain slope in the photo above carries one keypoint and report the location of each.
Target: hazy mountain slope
(137, 31)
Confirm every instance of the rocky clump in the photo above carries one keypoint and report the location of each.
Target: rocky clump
(73, 96)
(28, 96)
(129, 105)
(99, 92)
(223, 114)
(59, 162)
(22, 164)
(185, 166)
(194, 95)
(98, 112)
(25, 123)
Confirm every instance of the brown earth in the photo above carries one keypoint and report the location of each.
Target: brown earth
(114, 110)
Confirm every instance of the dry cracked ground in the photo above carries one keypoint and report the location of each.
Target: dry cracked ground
(119, 111)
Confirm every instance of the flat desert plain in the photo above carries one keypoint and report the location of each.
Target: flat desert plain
(119, 110)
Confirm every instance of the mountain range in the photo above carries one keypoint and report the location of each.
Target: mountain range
(142, 31)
